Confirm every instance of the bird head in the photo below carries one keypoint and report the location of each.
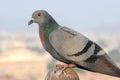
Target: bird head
(42, 17)
(39, 16)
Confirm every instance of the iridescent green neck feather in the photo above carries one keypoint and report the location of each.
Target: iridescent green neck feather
(50, 28)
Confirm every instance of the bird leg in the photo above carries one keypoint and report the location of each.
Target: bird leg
(63, 66)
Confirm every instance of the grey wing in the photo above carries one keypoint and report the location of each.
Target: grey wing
(81, 51)
(71, 44)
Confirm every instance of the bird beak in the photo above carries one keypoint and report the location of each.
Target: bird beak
(30, 22)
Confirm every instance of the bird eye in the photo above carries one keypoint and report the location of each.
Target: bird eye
(39, 14)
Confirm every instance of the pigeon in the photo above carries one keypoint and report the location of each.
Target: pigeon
(65, 73)
(72, 47)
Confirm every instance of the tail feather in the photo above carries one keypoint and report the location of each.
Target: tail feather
(108, 66)
(102, 65)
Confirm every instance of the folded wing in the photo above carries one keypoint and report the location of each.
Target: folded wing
(81, 51)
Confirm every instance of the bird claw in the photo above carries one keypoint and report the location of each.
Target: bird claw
(63, 66)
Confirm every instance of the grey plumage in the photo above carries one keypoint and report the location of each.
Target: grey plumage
(71, 47)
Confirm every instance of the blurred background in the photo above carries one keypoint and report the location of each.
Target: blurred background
(22, 56)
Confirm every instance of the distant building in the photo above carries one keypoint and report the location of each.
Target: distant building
(23, 63)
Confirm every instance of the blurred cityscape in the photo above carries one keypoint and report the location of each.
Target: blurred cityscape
(22, 56)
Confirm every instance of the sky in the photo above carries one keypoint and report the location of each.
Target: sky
(99, 16)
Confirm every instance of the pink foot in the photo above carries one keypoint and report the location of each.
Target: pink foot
(63, 66)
